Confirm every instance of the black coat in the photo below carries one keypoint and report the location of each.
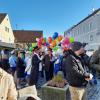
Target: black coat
(34, 70)
(48, 67)
(20, 68)
(47, 62)
(5, 64)
(74, 68)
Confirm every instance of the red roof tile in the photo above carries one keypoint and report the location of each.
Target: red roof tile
(26, 36)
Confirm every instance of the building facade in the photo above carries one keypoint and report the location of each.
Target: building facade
(87, 30)
(25, 38)
(6, 32)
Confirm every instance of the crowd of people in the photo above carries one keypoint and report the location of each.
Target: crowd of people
(27, 68)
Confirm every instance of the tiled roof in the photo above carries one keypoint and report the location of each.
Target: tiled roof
(2, 16)
(26, 36)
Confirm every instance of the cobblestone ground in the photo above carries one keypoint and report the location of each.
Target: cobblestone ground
(94, 91)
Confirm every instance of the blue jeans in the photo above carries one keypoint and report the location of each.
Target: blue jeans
(94, 80)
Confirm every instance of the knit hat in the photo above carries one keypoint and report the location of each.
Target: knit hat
(75, 46)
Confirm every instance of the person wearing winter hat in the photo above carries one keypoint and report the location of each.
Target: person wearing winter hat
(76, 74)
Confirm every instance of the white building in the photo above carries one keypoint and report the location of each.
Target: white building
(6, 32)
(87, 30)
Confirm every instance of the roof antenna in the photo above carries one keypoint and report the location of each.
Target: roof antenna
(93, 10)
(16, 26)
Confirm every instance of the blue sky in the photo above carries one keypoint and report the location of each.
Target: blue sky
(47, 15)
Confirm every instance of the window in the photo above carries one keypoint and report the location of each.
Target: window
(78, 32)
(91, 37)
(90, 26)
(6, 29)
(9, 39)
(84, 29)
(98, 33)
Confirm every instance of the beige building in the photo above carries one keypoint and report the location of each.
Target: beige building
(6, 32)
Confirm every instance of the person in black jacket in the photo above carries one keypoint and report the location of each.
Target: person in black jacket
(20, 69)
(76, 74)
(35, 67)
(4, 60)
(48, 62)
